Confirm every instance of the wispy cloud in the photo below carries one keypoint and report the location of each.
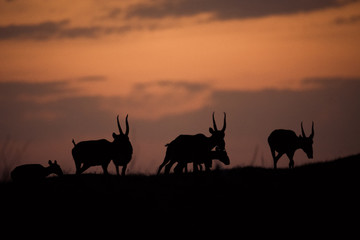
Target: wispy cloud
(16, 89)
(121, 19)
(157, 99)
(177, 84)
(92, 78)
(58, 30)
(40, 31)
(47, 100)
(347, 20)
(113, 13)
(227, 9)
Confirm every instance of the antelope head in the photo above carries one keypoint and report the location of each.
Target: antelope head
(122, 137)
(55, 168)
(307, 142)
(218, 135)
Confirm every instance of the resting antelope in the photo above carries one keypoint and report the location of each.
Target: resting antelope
(220, 155)
(101, 152)
(286, 141)
(193, 148)
(35, 172)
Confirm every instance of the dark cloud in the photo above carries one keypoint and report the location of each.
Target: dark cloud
(15, 89)
(347, 20)
(223, 10)
(251, 115)
(23, 113)
(114, 13)
(92, 78)
(38, 31)
(76, 32)
(333, 107)
(192, 87)
(228, 9)
(331, 83)
(188, 86)
(60, 29)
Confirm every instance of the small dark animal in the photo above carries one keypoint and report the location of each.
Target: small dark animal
(35, 172)
(193, 148)
(220, 155)
(286, 141)
(100, 152)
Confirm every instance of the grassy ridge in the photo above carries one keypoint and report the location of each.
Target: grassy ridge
(219, 202)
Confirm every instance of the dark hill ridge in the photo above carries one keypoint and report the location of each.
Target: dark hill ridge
(318, 197)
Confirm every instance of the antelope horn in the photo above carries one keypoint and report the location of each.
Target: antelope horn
(127, 125)
(118, 123)
(224, 126)
(312, 130)
(302, 130)
(214, 123)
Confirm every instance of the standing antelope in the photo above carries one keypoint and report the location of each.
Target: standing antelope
(220, 155)
(286, 141)
(35, 172)
(193, 148)
(101, 152)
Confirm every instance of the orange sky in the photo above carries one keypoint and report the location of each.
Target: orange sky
(252, 53)
(160, 52)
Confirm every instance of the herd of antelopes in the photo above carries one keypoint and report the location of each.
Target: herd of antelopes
(197, 149)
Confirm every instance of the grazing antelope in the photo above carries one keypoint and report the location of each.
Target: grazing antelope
(193, 148)
(286, 141)
(101, 152)
(220, 155)
(35, 172)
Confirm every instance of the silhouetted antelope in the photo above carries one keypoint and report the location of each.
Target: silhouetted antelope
(101, 152)
(286, 141)
(193, 148)
(220, 155)
(35, 172)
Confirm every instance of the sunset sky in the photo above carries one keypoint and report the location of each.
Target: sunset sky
(68, 68)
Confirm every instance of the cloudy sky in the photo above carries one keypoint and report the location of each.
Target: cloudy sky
(68, 68)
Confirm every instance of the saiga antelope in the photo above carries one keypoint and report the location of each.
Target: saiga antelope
(35, 172)
(286, 142)
(101, 152)
(220, 155)
(193, 148)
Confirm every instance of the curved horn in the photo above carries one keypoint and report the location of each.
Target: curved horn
(224, 126)
(302, 130)
(214, 123)
(127, 125)
(312, 130)
(118, 123)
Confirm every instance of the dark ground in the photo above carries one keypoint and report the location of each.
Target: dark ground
(314, 201)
